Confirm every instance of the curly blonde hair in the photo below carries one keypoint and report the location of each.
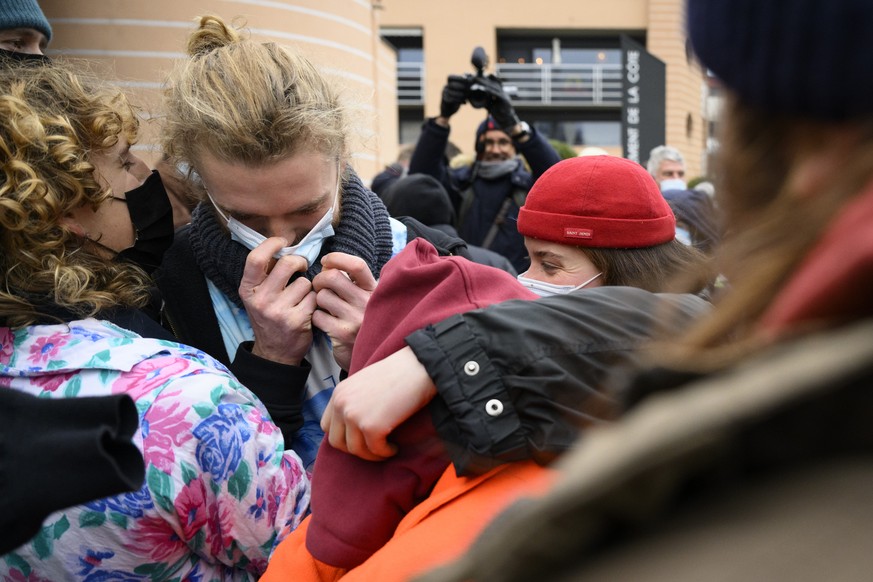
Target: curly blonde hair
(52, 120)
(248, 102)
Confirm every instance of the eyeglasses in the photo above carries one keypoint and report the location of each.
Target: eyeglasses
(500, 143)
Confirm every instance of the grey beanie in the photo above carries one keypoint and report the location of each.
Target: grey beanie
(799, 57)
(23, 14)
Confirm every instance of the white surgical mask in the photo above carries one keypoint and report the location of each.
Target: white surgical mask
(544, 289)
(673, 184)
(308, 247)
(683, 236)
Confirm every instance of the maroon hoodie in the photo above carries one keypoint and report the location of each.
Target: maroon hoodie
(357, 504)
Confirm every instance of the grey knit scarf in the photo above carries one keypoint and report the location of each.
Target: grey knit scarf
(495, 170)
(363, 231)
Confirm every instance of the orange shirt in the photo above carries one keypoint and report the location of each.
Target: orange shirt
(435, 532)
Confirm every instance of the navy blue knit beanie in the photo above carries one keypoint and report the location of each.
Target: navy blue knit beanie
(486, 125)
(798, 57)
(24, 14)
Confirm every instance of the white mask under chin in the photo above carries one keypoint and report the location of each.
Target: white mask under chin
(308, 247)
(544, 289)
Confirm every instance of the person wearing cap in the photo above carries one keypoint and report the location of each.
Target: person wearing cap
(600, 220)
(392, 172)
(746, 453)
(24, 30)
(487, 194)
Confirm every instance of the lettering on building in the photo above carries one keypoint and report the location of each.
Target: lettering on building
(643, 101)
(632, 147)
(632, 114)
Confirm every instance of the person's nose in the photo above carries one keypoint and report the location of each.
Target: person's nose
(140, 169)
(32, 48)
(534, 271)
(280, 227)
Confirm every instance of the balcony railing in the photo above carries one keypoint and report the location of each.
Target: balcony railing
(577, 85)
(410, 83)
(532, 84)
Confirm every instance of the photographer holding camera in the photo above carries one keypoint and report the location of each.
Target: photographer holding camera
(487, 194)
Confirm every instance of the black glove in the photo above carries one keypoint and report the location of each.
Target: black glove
(454, 95)
(497, 103)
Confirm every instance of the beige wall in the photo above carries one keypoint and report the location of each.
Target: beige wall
(385, 142)
(138, 42)
(451, 28)
(685, 84)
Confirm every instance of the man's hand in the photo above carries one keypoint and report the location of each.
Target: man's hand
(280, 314)
(454, 95)
(343, 289)
(498, 103)
(372, 402)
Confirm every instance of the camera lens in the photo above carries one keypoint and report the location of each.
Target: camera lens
(478, 99)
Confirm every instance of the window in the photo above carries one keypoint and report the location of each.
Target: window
(409, 124)
(580, 132)
(574, 56)
(407, 42)
(588, 49)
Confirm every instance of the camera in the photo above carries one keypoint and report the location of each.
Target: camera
(477, 95)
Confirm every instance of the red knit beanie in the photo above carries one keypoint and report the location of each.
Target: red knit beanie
(597, 201)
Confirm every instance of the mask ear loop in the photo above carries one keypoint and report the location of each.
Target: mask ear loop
(330, 211)
(339, 183)
(591, 280)
(217, 209)
(96, 242)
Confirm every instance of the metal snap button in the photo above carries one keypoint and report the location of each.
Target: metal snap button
(471, 368)
(494, 407)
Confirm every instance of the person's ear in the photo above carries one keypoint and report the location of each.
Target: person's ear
(73, 225)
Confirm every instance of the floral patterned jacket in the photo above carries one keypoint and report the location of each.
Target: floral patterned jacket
(220, 489)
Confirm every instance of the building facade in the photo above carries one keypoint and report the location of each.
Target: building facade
(137, 43)
(562, 61)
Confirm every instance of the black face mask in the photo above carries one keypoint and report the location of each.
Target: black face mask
(22, 59)
(152, 216)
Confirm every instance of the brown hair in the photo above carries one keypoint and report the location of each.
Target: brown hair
(769, 227)
(671, 266)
